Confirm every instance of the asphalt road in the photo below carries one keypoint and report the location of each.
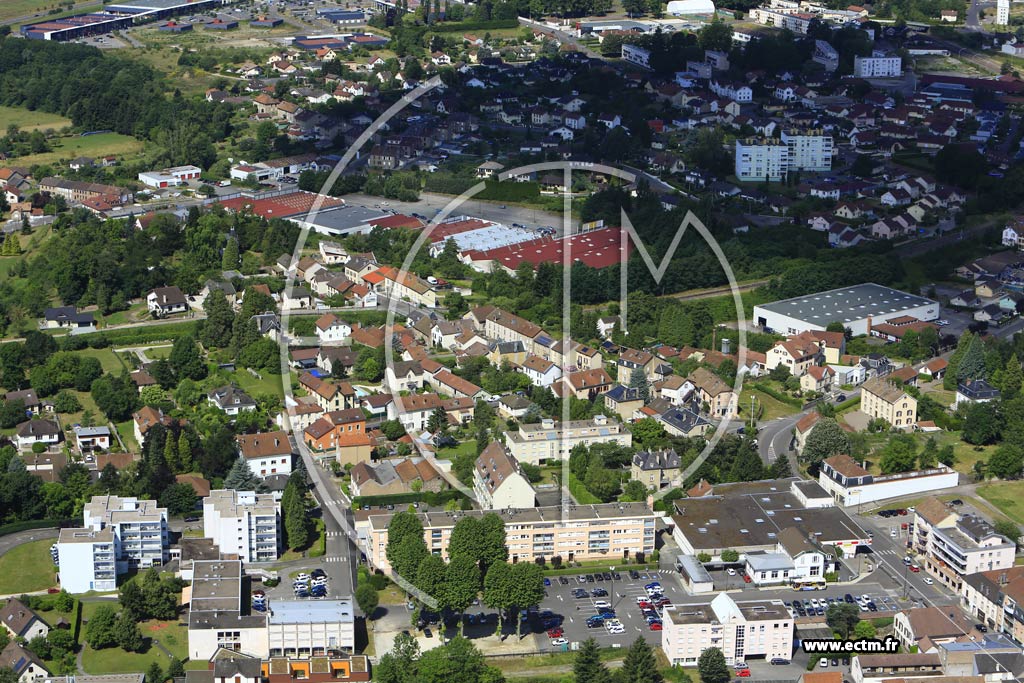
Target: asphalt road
(11, 541)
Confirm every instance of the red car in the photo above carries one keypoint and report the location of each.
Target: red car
(743, 673)
(645, 605)
(746, 579)
(555, 633)
(656, 626)
(914, 568)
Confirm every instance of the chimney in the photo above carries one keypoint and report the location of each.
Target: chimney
(869, 325)
(726, 346)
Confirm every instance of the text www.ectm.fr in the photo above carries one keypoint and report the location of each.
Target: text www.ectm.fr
(874, 645)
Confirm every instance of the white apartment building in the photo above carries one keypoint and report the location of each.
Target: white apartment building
(955, 546)
(609, 531)
(739, 630)
(548, 440)
(636, 55)
(88, 556)
(243, 523)
(758, 159)
(304, 628)
(852, 485)
(499, 482)
(139, 527)
(878, 65)
(1003, 12)
(268, 453)
(809, 150)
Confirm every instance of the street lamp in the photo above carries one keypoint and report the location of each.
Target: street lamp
(906, 579)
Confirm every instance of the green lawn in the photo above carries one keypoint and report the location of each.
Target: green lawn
(27, 568)
(465, 448)
(26, 119)
(107, 358)
(580, 492)
(270, 384)
(773, 407)
(127, 431)
(68, 148)
(1008, 496)
(171, 634)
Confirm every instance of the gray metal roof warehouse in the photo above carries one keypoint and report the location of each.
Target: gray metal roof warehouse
(851, 306)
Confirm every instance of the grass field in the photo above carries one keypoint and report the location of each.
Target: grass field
(12, 9)
(27, 568)
(99, 145)
(127, 431)
(110, 362)
(1008, 496)
(171, 634)
(270, 384)
(26, 119)
(773, 407)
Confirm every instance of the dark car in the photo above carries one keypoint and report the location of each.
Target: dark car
(598, 577)
(981, 628)
(873, 607)
(634, 574)
(191, 519)
(590, 578)
(427, 633)
(317, 573)
(598, 593)
(849, 598)
(779, 661)
(607, 576)
(956, 501)
(617, 576)
(840, 398)
(562, 580)
(835, 662)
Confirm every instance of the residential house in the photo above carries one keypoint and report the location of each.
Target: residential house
(712, 391)
(882, 399)
(499, 482)
(656, 469)
(231, 400)
(35, 431)
(624, 401)
(331, 329)
(164, 301)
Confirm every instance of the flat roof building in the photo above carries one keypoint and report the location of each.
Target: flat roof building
(609, 531)
(760, 628)
(750, 516)
(856, 307)
(243, 524)
(550, 440)
(218, 617)
(311, 627)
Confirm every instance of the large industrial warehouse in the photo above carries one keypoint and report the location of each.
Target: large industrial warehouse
(853, 306)
(115, 17)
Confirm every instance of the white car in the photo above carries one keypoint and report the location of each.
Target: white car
(302, 577)
(730, 571)
(601, 603)
(929, 580)
(559, 642)
(823, 662)
(616, 630)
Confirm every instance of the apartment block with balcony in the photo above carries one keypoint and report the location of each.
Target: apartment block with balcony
(762, 628)
(611, 531)
(955, 546)
(139, 527)
(548, 440)
(87, 560)
(244, 524)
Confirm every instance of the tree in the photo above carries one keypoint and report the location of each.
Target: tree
(842, 617)
(63, 602)
(639, 665)
(899, 455)
(715, 36)
(438, 421)
(179, 498)
(185, 452)
(218, 328)
(430, 575)
(185, 359)
(400, 664)
(972, 365)
(780, 469)
(638, 381)
(528, 586)
(171, 453)
(588, 666)
(406, 547)
(864, 629)
(367, 599)
(465, 539)
(929, 455)
(66, 402)
(1007, 462)
(748, 465)
(241, 478)
(461, 585)
(730, 556)
(648, 432)
(296, 524)
(711, 666)
(175, 669)
(498, 590)
(154, 674)
(492, 546)
(131, 598)
(981, 424)
(99, 632)
(634, 491)
(127, 633)
(826, 439)
(459, 660)
(229, 258)
(1008, 529)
